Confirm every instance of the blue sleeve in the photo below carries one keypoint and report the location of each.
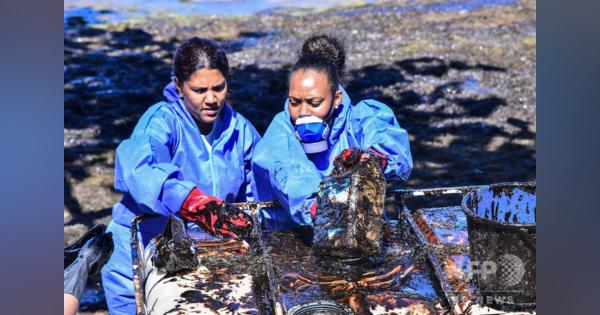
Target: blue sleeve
(143, 166)
(251, 138)
(376, 127)
(283, 172)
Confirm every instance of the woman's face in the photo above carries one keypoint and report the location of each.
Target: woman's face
(310, 95)
(204, 95)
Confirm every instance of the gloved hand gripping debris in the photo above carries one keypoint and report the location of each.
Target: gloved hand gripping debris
(350, 158)
(215, 216)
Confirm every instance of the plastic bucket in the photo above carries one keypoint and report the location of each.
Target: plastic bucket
(501, 222)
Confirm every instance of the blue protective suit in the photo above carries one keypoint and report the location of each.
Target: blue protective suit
(283, 171)
(158, 166)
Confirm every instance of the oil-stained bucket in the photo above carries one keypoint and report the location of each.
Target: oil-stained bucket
(501, 220)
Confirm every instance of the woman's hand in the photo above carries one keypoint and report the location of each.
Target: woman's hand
(352, 156)
(216, 217)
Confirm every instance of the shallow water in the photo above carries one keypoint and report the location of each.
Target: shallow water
(117, 10)
(464, 5)
(473, 85)
(443, 6)
(122, 9)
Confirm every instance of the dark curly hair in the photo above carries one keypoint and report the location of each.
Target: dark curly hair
(198, 53)
(328, 47)
(323, 53)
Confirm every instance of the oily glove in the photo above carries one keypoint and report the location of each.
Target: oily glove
(352, 156)
(216, 217)
(72, 251)
(313, 210)
(92, 256)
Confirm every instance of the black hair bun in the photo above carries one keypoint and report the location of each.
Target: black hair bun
(325, 46)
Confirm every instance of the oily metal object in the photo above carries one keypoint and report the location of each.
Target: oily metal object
(501, 222)
(221, 282)
(456, 303)
(253, 206)
(349, 217)
(424, 270)
(442, 231)
(263, 251)
(397, 284)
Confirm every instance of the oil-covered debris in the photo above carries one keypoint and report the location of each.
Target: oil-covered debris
(447, 241)
(229, 279)
(174, 248)
(234, 263)
(501, 224)
(72, 251)
(285, 270)
(446, 226)
(222, 247)
(206, 292)
(219, 293)
(396, 281)
(349, 219)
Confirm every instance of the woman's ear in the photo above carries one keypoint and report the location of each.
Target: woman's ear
(178, 87)
(337, 99)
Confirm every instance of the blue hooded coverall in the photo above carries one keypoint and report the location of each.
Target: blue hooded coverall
(283, 171)
(156, 169)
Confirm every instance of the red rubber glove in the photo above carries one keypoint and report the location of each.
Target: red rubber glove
(215, 216)
(313, 210)
(383, 161)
